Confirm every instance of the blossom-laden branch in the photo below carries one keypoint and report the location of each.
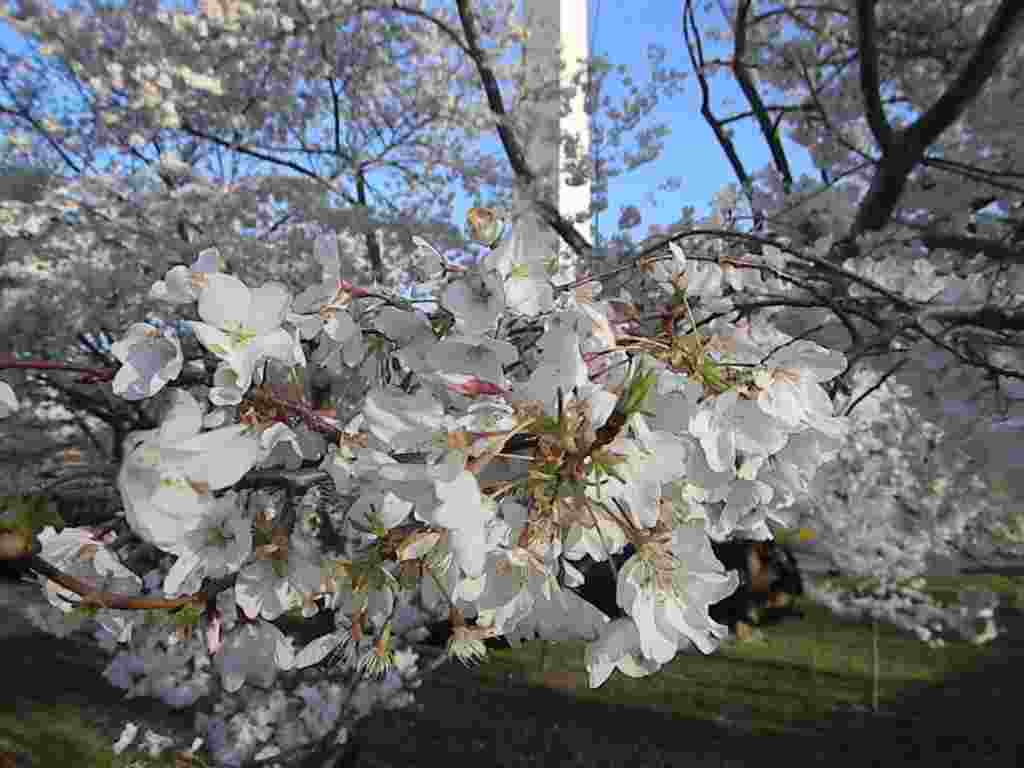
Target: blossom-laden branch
(93, 375)
(308, 414)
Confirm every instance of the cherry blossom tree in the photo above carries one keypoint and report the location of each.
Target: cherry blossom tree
(913, 227)
(684, 393)
(251, 128)
(911, 492)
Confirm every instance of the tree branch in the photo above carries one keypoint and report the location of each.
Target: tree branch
(372, 243)
(746, 83)
(972, 79)
(907, 147)
(978, 315)
(696, 52)
(867, 34)
(881, 380)
(113, 600)
(993, 249)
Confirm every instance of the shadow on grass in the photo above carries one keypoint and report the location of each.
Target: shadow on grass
(52, 672)
(971, 718)
(56, 709)
(545, 728)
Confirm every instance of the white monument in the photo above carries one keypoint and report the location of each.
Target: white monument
(553, 27)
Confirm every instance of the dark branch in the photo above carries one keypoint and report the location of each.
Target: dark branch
(993, 249)
(746, 83)
(907, 147)
(980, 316)
(867, 34)
(696, 51)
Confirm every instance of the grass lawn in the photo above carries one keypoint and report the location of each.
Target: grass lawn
(532, 705)
(800, 673)
(60, 736)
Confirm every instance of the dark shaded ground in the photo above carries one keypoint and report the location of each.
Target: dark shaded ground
(976, 719)
(44, 676)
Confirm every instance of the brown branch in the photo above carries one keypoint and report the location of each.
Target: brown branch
(513, 149)
(972, 79)
(113, 600)
(311, 418)
(867, 39)
(881, 380)
(248, 151)
(296, 481)
(104, 411)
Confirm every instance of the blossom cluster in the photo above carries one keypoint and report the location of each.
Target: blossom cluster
(901, 490)
(907, 606)
(480, 468)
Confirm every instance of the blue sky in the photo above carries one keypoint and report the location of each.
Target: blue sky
(623, 30)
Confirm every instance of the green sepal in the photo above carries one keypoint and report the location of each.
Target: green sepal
(187, 616)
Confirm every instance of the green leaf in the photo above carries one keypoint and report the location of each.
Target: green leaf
(280, 568)
(547, 424)
(82, 612)
(261, 538)
(711, 373)
(157, 616)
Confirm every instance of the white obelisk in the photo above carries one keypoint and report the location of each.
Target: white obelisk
(553, 27)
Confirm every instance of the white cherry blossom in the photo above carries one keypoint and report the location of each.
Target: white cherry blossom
(243, 326)
(151, 358)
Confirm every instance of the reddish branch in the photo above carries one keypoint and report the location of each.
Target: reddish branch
(112, 600)
(90, 375)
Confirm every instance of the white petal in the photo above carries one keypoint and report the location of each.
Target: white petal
(317, 650)
(225, 301)
(268, 307)
(8, 400)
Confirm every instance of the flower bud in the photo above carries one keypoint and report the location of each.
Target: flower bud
(15, 544)
(484, 225)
